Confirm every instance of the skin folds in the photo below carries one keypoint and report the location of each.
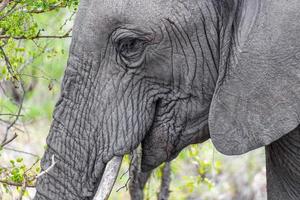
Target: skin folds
(166, 74)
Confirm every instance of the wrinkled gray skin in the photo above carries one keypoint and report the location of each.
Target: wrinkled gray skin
(168, 73)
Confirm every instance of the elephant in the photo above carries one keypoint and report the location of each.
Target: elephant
(165, 74)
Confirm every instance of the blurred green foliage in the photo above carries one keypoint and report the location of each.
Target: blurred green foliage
(34, 40)
(30, 51)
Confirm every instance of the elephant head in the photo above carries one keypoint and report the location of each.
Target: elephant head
(166, 74)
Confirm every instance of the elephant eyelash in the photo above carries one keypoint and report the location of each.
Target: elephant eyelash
(130, 45)
(130, 51)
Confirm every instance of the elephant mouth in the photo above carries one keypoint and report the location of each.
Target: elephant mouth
(113, 166)
(109, 178)
(196, 132)
(112, 169)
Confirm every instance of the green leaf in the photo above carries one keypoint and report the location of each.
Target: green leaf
(12, 162)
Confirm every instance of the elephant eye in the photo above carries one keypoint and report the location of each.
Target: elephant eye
(131, 51)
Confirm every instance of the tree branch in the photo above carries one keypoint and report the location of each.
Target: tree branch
(6, 142)
(61, 5)
(9, 66)
(22, 190)
(36, 37)
(19, 151)
(27, 182)
(9, 12)
(15, 184)
(4, 4)
(12, 73)
(9, 114)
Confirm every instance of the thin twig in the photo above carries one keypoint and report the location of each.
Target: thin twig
(9, 114)
(124, 173)
(12, 73)
(33, 58)
(32, 166)
(25, 183)
(68, 19)
(6, 142)
(66, 35)
(38, 77)
(8, 64)
(23, 189)
(124, 186)
(35, 37)
(15, 127)
(15, 184)
(47, 10)
(19, 151)
(18, 114)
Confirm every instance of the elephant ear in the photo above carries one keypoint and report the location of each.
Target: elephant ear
(257, 97)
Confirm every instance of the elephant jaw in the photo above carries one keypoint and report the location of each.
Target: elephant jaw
(109, 178)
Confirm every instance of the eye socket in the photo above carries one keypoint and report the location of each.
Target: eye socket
(131, 51)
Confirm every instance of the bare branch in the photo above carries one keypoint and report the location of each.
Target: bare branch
(36, 37)
(4, 4)
(19, 151)
(8, 114)
(8, 64)
(61, 5)
(66, 35)
(32, 167)
(15, 127)
(124, 186)
(22, 191)
(6, 142)
(37, 77)
(12, 73)
(9, 12)
(16, 184)
(32, 59)
(68, 19)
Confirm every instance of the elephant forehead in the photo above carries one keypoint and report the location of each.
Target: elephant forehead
(101, 17)
(145, 11)
(109, 14)
(136, 11)
(96, 20)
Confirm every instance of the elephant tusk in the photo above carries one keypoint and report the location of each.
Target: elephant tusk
(108, 179)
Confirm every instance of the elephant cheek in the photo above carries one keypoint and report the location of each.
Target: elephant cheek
(160, 145)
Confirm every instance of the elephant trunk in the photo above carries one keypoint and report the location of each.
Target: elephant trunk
(98, 117)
